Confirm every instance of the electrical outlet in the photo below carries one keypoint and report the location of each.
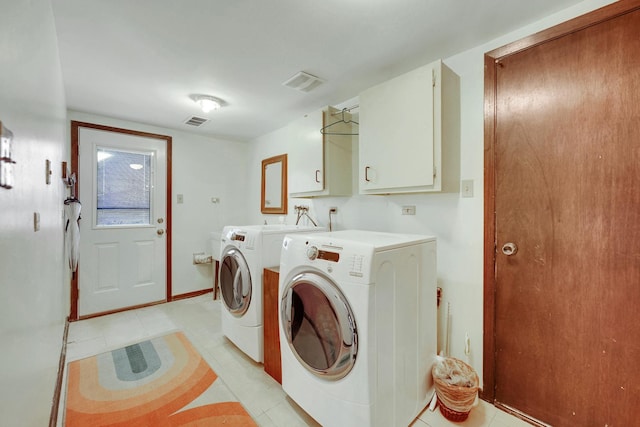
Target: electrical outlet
(408, 210)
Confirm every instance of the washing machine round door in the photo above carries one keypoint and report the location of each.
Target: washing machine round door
(319, 325)
(235, 282)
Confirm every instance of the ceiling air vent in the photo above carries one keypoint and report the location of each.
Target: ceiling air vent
(304, 82)
(195, 121)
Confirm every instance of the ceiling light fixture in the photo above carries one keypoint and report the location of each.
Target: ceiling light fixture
(207, 102)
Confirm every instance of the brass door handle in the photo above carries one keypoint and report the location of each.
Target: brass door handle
(160, 231)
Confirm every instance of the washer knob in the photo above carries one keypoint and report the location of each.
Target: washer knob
(312, 252)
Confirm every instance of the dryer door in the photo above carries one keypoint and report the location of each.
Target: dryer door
(235, 282)
(319, 325)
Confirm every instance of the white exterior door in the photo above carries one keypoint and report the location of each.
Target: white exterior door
(123, 250)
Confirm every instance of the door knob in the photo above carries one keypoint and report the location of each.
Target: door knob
(509, 249)
(160, 232)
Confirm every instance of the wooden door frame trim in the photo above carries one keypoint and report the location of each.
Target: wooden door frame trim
(491, 61)
(75, 127)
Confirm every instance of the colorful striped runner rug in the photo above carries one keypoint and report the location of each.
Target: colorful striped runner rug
(159, 382)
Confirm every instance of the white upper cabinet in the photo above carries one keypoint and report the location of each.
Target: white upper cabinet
(306, 166)
(320, 165)
(404, 124)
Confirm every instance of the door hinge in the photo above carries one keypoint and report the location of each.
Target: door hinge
(433, 78)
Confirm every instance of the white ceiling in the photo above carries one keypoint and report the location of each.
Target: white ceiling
(140, 60)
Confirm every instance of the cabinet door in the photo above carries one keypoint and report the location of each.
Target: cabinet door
(306, 163)
(397, 133)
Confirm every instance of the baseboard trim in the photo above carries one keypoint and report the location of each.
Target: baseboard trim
(55, 405)
(191, 294)
(519, 414)
(120, 310)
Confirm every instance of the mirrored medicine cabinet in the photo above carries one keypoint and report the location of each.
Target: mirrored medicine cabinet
(274, 185)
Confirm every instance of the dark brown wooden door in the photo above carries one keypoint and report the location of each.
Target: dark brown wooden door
(567, 195)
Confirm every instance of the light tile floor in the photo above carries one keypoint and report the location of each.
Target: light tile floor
(260, 394)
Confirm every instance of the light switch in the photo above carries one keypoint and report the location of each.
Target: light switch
(466, 188)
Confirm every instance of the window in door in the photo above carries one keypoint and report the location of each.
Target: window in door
(123, 188)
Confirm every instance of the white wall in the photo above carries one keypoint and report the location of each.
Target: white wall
(33, 281)
(203, 168)
(457, 222)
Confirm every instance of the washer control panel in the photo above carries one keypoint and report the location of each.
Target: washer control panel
(312, 252)
(237, 236)
(240, 238)
(347, 261)
(355, 265)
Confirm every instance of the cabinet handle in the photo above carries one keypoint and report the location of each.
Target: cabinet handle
(317, 172)
(366, 174)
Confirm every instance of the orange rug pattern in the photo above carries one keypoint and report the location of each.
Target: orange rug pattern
(148, 384)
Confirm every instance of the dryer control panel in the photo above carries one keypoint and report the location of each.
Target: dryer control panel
(237, 236)
(314, 253)
(350, 261)
(240, 238)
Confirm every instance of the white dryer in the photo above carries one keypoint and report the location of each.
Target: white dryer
(244, 253)
(358, 325)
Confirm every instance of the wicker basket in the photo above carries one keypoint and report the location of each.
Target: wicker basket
(455, 401)
(452, 415)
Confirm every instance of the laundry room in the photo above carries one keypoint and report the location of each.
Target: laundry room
(220, 203)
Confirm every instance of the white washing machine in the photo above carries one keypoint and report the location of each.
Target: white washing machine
(244, 252)
(358, 325)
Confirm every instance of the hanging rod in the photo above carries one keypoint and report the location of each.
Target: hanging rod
(348, 109)
(342, 120)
